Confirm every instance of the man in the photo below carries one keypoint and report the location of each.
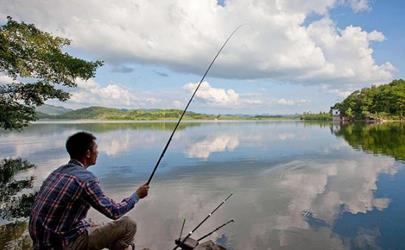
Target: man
(57, 218)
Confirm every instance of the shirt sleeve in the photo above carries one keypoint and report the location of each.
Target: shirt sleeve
(98, 200)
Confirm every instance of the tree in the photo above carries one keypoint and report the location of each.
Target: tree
(39, 69)
(385, 101)
(349, 113)
(11, 204)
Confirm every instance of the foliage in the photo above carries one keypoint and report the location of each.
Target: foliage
(386, 138)
(13, 205)
(382, 102)
(38, 68)
(102, 113)
(15, 236)
(321, 116)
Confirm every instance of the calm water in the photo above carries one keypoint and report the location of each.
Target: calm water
(296, 185)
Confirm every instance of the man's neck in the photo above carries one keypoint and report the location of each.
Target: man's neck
(80, 162)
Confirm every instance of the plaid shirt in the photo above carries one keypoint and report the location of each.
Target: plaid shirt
(59, 211)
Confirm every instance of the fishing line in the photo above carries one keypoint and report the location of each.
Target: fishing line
(188, 104)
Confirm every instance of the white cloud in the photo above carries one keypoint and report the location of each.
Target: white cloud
(288, 102)
(91, 93)
(376, 36)
(213, 95)
(359, 5)
(183, 35)
(339, 92)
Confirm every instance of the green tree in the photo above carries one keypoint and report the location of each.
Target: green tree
(38, 68)
(385, 101)
(13, 205)
(349, 112)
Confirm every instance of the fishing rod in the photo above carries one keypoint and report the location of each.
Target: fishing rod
(182, 227)
(185, 109)
(181, 242)
(190, 243)
(216, 229)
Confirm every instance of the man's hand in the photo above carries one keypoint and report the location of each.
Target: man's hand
(142, 191)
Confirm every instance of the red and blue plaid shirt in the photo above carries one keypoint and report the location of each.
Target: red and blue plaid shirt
(59, 211)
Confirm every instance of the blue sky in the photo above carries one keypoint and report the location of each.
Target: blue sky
(293, 57)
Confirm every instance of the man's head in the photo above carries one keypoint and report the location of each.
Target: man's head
(82, 146)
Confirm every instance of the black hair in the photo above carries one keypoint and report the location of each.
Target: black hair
(78, 144)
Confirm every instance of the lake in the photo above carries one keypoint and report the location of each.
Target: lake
(296, 185)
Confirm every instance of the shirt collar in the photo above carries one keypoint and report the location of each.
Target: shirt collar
(76, 162)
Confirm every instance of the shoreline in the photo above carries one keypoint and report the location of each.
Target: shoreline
(155, 121)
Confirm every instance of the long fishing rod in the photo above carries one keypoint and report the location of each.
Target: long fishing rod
(216, 229)
(202, 222)
(182, 227)
(184, 111)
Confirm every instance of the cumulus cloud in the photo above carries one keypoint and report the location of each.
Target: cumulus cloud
(288, 102)
(339, 92)
(182, 35)
(92, 93)
(213, 95)
(359, 5)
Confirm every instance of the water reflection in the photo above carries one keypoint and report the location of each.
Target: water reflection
(386, 139)
(203, 148)
(296, 186)
(275, 206)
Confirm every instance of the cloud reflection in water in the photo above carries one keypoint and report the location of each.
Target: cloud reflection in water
(286, 178)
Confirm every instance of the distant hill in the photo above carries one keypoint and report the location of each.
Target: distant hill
(103, 113)
(47, 109)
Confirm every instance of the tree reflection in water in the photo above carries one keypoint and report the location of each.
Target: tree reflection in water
(387, 138)
(16, 199)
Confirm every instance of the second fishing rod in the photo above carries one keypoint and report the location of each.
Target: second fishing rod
(180, 241)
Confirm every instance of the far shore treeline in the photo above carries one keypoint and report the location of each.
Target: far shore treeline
(48, 112)
(385, 102)
(377, 103)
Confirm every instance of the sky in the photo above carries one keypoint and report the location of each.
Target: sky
(289, 57)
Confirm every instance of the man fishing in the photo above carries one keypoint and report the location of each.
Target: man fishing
(57, 218)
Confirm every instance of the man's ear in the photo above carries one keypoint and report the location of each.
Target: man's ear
(88, 153)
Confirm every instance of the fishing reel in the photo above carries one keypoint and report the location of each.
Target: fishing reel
(188, 243)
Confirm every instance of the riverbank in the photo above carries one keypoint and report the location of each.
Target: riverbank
(82, 121)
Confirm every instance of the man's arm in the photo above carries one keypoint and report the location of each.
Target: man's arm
(97, 199)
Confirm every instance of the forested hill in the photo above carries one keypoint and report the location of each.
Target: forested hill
(102, 113)
(382, 102)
